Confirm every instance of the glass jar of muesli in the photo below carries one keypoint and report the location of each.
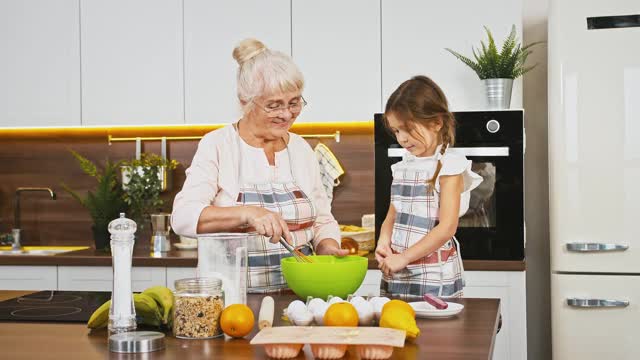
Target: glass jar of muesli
(197, 308)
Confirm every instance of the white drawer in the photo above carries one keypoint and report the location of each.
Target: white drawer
(100, 278)
(28, 277)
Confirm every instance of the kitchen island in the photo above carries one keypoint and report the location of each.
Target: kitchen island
(469, 335)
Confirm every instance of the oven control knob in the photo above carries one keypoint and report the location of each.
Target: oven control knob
(493, 126)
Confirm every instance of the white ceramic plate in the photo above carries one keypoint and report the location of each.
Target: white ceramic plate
(425, 310)
(182, 246)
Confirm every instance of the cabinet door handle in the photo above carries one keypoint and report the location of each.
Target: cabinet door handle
(595, 247)
(596, 303)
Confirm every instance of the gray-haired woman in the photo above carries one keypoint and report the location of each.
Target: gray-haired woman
(254, 175)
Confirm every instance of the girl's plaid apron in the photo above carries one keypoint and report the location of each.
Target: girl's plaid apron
(287, 199)
(417, 211)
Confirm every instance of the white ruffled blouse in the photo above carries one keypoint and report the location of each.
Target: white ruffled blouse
(453, 163)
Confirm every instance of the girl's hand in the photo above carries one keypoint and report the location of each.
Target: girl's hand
(393, 263)
(330, 247)
(267, 223)
(382, 251)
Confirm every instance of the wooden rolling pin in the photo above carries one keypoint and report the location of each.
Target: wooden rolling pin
(265, 317)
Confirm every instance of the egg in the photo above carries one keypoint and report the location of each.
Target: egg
(365, 312)
(357, 299)
(301, 317)
(295, 306)
(335, 299)
(318, 313)
(314, 303)
(377, 303)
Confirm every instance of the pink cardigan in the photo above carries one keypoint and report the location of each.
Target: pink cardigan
(212, 179)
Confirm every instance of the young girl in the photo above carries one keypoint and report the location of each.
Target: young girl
(417, 251)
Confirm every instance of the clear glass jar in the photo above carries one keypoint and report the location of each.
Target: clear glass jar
(224, 256)
(197, 308)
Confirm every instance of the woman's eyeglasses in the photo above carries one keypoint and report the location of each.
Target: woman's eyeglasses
(294, 108)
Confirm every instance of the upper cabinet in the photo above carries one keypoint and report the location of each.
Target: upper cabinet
(212, 29)
(155, 62)
(40, 63)
(336, 44)
(416, 32)
(132, 68)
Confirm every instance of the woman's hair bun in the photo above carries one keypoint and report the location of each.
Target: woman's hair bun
(247, 49)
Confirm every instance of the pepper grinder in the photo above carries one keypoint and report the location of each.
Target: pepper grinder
(122, 313)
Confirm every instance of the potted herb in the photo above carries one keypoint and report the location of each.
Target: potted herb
(143, 180)
(498, 69)
(105, 202)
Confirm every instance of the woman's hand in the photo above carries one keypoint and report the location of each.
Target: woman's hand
(330, 247)
(393, 263)
(383, 250)
(267, 223)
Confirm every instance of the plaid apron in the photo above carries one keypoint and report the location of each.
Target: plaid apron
(287, 199)
(417, 211)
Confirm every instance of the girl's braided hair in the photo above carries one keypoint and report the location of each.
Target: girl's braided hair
(420, 101)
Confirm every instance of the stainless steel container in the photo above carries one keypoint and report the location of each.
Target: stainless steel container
(498, 93)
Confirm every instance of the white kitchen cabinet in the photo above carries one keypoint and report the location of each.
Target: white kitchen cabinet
(509, 287)
(336, 44)
(100, 278)
(212, 29)
(132, 68)
(177, 273)
(20, 277)
(415, 33)
(40, 63)
(590, 333)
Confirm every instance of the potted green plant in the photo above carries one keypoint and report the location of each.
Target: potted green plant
(105, 202)
(498, 69)
(143, 180)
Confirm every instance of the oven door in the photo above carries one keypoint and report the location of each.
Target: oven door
(493, 227)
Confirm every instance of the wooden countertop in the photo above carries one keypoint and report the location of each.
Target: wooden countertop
(189, 258)
(468, 336)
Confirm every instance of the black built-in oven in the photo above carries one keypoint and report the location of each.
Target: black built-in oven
(493, 228)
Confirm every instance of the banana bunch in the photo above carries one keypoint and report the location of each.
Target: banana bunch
(153, 307)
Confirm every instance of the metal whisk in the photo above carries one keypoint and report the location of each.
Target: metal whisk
(300, 257)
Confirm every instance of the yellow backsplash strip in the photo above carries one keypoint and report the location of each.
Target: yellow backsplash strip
(28, 247)
(345, 128)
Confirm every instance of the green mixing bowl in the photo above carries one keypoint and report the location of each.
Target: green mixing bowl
(327, 275)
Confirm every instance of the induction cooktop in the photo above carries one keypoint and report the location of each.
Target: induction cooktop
(58, 306)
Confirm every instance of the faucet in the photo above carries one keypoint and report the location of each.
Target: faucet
(15, 232)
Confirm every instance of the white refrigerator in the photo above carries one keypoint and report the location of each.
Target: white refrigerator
(594, 178)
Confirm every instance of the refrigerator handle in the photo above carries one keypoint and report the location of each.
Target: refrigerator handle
(595, 247)
(596, 303)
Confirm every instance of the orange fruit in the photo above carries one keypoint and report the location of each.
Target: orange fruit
(399, 304)
(237, 320)
(341, 314)
(349, 244)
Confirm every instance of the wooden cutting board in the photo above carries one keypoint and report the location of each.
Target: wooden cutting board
(330, 335)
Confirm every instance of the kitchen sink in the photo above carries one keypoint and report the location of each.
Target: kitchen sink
(40, 250)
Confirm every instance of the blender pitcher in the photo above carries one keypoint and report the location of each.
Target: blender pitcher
(224, 256)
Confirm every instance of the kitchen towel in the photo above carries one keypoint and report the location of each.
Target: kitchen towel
(330, 168)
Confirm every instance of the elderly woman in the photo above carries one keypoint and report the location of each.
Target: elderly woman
(256, 176)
